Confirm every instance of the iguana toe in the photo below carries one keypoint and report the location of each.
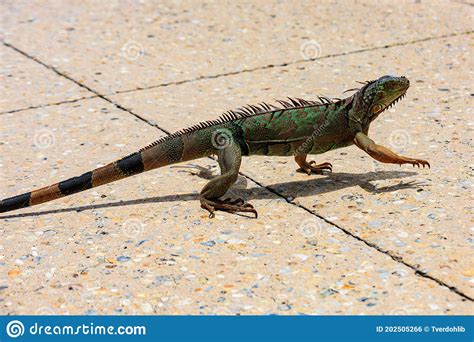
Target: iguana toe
(418, 163)
(227, 205)
(311, 167)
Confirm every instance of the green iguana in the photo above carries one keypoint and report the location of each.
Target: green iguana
(296, 128)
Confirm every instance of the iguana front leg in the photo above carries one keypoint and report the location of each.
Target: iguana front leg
(311, 166)
(229, 159)
(383, 154)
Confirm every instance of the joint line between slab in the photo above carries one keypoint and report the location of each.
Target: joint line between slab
(50, 104)
(97, 94)
(464, 3)
(368, 243)
(208, 77)
(284, 64)
(394, 257)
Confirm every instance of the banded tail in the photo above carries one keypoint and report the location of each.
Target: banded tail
(166, 151)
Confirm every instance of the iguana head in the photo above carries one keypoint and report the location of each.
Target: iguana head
(381, 94)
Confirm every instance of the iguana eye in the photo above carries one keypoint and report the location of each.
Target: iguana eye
(376, 108)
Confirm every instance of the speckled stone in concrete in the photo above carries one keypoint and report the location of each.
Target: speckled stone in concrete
(143, 245)
(120, 45)
(24, 83)
(419, 215)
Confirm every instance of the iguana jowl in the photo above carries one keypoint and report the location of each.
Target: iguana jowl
(296, 128)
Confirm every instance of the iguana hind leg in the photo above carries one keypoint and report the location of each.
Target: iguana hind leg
(311, 166)
(229, 159)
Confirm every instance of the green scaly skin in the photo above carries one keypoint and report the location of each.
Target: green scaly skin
(296, 128)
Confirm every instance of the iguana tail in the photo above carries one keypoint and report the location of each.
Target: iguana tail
(169, 150)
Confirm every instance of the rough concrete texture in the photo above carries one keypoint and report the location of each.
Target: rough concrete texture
(405, 211)
(366, 239)
(122, 45)
(26, 84)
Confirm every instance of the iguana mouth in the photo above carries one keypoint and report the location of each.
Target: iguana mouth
(396, 100)
(401, 96)
(376, 114)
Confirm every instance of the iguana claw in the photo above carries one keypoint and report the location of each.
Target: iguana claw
(312, 167)
(228, 205)
(419, 162)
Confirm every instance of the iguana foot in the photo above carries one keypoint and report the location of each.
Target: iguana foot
(312, 167)
(227, 205)
(416, 162)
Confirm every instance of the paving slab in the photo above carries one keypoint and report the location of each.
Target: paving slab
(422, 216)
(143, 245)
(25, 83)
(121, 45)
